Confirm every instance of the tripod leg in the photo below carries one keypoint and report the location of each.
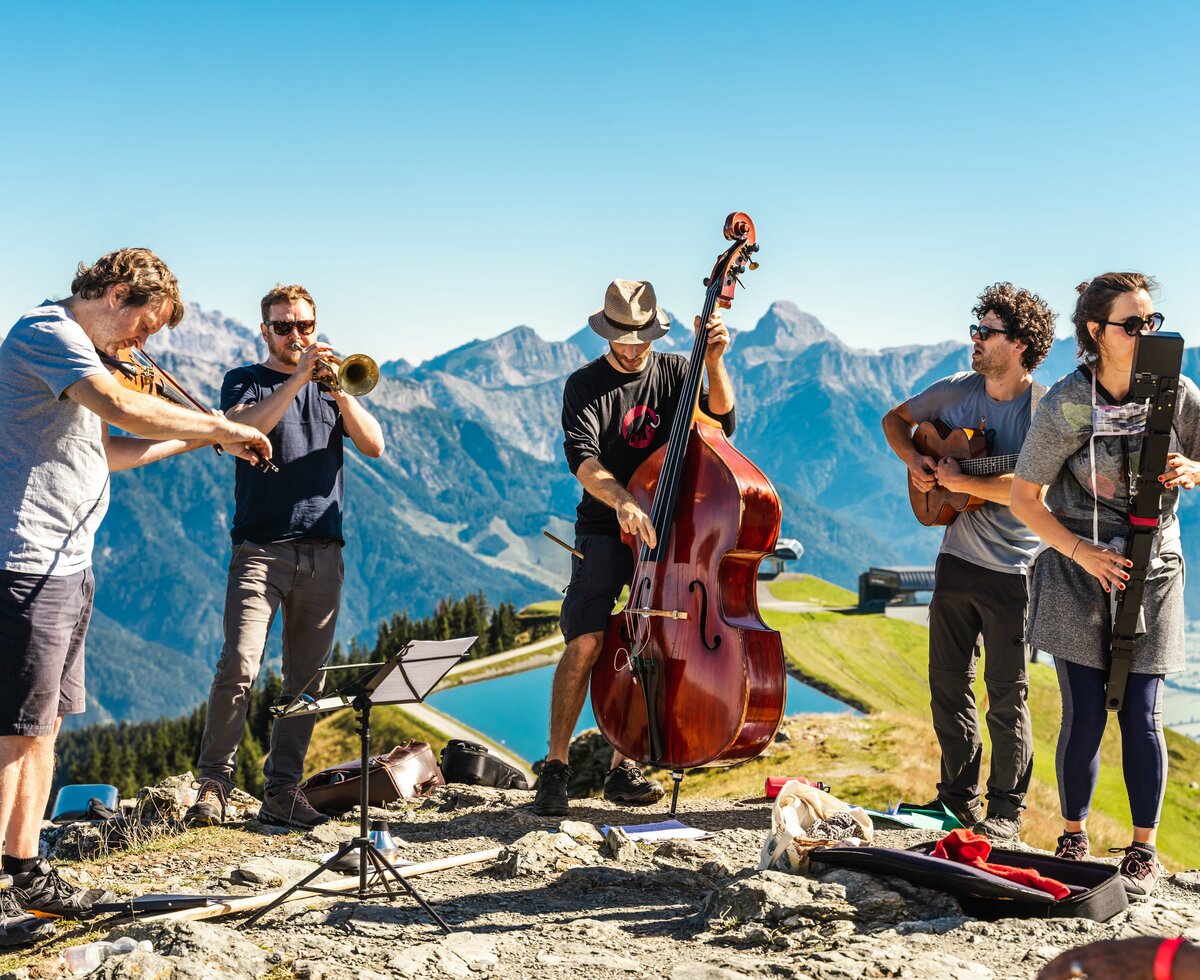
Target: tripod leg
(677, 781)
(381, 865)
(327, 866)
(404, 882)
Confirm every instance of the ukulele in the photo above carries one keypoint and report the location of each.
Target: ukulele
(969, 447)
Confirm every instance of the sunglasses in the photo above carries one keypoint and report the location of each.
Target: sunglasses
(982, 332)
(1135, 324)
(284, 327)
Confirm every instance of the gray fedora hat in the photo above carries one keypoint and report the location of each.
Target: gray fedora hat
(630, 314)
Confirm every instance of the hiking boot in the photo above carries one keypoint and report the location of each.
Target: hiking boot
(551, 799)
(967, 814)
(1140, 870)
(626, 784)
(1072, 846)
(1003, 830)
(42, 890)
(209, 807)
(290, 808)
(18, 927)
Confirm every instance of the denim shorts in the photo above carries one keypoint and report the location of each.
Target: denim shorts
(43, 623)
(596, 582)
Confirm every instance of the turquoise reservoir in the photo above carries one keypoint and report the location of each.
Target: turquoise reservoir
(515, 710)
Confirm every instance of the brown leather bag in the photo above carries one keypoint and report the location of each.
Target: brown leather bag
(408, 771)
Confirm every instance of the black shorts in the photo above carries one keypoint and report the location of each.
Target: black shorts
(596, 582)
(43, 622)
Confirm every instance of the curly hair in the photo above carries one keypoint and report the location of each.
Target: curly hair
(1096, 299)
(146, 275)
(1025, 314)
(285, 294)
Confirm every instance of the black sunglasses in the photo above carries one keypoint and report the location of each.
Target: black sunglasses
(1135, 324)
(284, 327)
(982, 332)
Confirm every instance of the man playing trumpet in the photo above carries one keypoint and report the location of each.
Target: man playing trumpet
(287, 551)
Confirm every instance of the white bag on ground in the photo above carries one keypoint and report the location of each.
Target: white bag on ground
(805, 818)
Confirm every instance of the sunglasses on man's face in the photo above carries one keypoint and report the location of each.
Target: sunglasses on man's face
(1135, 324)
(978, 330)
(284, 327)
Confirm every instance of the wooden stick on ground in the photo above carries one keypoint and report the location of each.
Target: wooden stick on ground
(251, 902)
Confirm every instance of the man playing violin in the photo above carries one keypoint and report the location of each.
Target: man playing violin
(979, 582)
(56, 402)
(287, 552)
(617, 411)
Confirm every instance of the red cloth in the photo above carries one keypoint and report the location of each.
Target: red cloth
(968, 847)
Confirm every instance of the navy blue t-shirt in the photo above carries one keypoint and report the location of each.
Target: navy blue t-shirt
(304, 499)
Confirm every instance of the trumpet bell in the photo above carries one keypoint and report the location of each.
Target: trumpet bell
(358, 374)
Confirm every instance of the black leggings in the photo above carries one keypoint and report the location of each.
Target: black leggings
(1143, 748)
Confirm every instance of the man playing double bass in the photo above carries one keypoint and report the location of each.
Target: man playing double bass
(979, 584)
(617, 411)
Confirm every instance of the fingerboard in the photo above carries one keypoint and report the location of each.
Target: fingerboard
(988, 465)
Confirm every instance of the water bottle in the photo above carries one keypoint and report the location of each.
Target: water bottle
(384, 843)
(84, 959)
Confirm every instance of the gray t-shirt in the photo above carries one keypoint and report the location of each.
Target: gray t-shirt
(990, 536)
(53, 468)
(1057, 454)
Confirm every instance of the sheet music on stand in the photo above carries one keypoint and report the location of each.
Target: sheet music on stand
(406, 678)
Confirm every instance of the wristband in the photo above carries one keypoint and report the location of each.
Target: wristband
(1071, 557)
(1165, 957)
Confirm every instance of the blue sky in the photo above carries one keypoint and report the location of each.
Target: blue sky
(436, 173)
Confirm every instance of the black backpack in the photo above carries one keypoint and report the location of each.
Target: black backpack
(1097, 891)
(471, 763)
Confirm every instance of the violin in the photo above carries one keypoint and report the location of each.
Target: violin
(690, 675)
(138, 371)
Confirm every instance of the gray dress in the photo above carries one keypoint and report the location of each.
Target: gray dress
(1070, 614)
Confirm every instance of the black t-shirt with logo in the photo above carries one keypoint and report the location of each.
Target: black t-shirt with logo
(621, 419)
(304, 499)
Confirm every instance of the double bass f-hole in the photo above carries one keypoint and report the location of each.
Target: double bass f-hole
(716, 640)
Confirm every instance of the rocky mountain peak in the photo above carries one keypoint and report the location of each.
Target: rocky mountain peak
(782, 332)
(516, 358)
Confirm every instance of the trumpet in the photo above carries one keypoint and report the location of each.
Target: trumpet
(356, 374)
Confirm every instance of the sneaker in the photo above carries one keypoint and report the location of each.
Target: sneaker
(1072, 846)
(42, 890)
(551, 799)
(626, 784)
(967, 814)
(1140, 869)
(997, 828)
(209, 807)
(18, 927)
(290, 808)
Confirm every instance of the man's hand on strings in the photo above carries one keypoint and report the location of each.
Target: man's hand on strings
(718, 337)
(923, 470)
(950, 474)
(635, 521)
(1181, 472)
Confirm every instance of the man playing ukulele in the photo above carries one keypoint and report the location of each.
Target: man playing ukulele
(979, 584)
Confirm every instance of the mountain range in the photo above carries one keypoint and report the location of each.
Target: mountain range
(473, 474)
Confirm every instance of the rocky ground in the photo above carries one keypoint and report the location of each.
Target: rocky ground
(564, 901)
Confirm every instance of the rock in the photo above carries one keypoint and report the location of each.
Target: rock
(1187, 879)
(705, 971)
(622, 849)
(699, 855)
(772, 896)
(585, 833)
(330, 835)
(542, 852)
(154, 966)
(269, 872)
(460, 954)
(196, 949)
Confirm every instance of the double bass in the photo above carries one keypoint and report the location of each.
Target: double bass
(690, 675)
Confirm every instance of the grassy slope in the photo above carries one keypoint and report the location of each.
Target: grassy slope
(809, 588)
(880, 665)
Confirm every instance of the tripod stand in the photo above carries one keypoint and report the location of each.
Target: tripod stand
(408, 679)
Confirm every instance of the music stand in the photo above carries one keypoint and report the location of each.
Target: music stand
(405, 679)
